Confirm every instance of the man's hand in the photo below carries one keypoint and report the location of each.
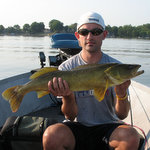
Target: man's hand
(59, 87)
(122, 104)
(121, 90)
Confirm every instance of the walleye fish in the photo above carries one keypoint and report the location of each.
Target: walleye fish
(97, 77)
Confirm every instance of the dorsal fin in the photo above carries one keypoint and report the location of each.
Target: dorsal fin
(43, 71)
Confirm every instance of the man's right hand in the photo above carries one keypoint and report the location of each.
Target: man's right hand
(59, 87)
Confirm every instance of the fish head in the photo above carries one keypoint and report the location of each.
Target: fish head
(123, 72)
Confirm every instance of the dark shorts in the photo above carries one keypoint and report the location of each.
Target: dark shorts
(91, 138)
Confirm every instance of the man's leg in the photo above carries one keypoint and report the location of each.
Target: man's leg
(58, 137)
(124, 137)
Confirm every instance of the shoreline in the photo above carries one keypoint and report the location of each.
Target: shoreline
(49, 34)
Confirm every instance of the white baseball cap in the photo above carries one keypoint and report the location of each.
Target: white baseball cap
(91, 17)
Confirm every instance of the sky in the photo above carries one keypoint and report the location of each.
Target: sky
(114, 12)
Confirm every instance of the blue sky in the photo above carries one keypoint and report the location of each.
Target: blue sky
(114, 12)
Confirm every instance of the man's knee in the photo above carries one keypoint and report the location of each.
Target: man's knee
(125, 134)
(57, 135)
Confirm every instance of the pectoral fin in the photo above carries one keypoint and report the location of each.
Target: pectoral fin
(42, 93)
(99, 93)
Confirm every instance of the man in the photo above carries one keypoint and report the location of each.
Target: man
(90, 125)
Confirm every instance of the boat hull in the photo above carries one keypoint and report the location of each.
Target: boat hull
(139, 115)
(30, 102)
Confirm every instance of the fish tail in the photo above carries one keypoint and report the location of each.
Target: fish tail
(14, 96)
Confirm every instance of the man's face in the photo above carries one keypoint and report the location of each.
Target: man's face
(90, 42)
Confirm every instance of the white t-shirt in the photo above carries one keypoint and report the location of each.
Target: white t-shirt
(91, 112)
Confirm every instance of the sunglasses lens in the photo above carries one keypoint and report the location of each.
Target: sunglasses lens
(96, 31)
(83, 32)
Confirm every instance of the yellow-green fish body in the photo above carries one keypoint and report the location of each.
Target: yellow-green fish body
(97, 77)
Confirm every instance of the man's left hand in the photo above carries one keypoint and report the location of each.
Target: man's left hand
(121, 90)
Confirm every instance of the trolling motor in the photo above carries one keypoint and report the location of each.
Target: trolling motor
(42, 59)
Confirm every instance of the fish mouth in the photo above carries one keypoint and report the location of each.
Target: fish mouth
(136, 72)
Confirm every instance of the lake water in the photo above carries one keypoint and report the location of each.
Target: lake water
(19, 54)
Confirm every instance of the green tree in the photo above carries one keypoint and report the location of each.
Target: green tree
(127, 30)
(66, 28)
(13, 30)
(2, 29)
(10, 29)
(115, 31)
(73, 27)
(109, 29)
(37, 27)
(135, 32)
(121, 32)
(142, 33)
(26, 28)
(148, 33)
(146, 29)
(17, 29)
(56, 26)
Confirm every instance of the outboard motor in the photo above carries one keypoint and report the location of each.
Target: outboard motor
(55, 60)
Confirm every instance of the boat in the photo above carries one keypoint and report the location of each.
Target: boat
(49, 105)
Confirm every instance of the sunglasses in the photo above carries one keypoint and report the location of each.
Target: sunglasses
(95, 31)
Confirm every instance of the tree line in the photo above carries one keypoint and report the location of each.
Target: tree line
(34, 28)
(56, 26)
(128, 31)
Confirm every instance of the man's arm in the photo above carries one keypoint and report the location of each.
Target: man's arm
(122, 104)
(59, 87)
(69, 107)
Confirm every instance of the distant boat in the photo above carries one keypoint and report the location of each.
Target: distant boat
(49, 105)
